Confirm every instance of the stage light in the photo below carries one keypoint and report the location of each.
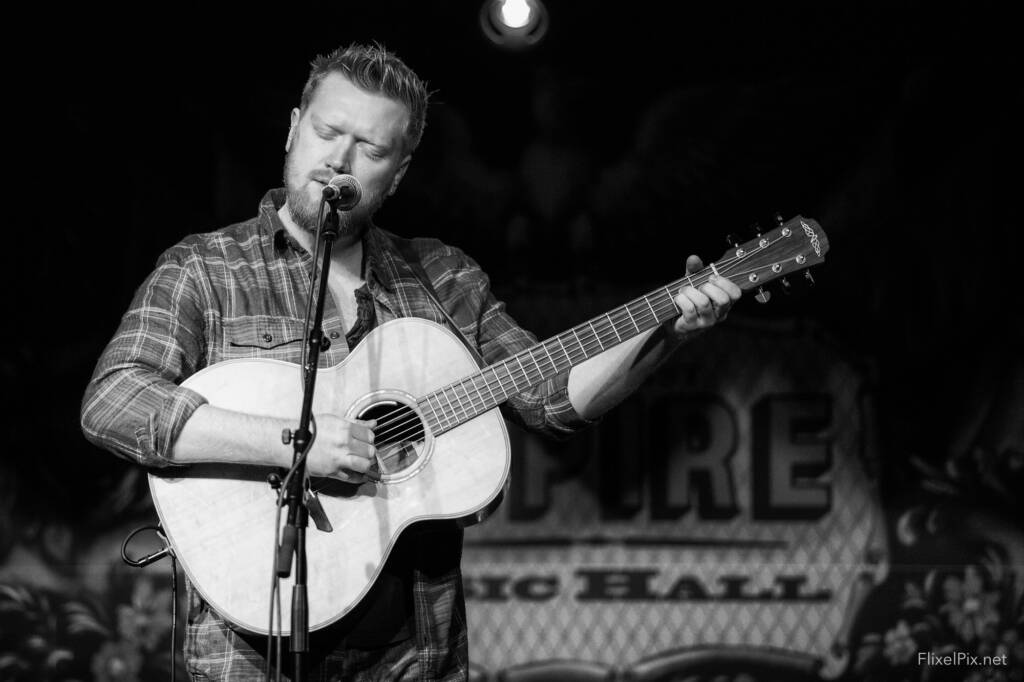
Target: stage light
(515, 13)
(514, 23)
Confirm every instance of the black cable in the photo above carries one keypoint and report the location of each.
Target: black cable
(146, 561)
(275, 598)
(174, 618)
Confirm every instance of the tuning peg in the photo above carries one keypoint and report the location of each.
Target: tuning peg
(787, 288)
(779, 219)
(809, 277)
(763, 295)
(733, 240)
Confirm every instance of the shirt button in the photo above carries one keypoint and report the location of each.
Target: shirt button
(268, 338)
(335, 335)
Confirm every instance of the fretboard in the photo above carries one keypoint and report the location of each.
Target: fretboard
(463, 400)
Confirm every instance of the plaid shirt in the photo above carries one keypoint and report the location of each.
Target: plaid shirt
(241, 292)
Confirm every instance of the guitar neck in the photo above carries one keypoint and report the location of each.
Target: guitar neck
(792, 246)
(461, 401)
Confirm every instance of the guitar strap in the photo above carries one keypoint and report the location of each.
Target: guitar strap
(411, 259)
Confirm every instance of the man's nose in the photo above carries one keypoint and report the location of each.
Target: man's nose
(339, 159)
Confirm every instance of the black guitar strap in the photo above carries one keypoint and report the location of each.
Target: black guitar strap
(404, 247)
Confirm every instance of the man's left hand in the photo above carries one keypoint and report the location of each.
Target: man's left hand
(706, 306)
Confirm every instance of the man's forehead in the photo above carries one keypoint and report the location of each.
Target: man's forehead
(336, 95)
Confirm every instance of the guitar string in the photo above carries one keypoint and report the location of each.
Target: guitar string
(405, 417)
(408, 418)
(408, 421)
(490, 384)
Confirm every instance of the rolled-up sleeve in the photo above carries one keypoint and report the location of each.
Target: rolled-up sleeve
(544, 408)
(134, 405)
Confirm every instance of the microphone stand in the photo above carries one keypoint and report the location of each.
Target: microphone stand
(293, 537)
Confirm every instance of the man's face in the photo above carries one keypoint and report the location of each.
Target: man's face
(344, 129)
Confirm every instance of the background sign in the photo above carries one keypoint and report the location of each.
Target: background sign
(726, 504)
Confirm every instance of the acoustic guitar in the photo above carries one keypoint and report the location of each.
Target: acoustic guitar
(442, 447)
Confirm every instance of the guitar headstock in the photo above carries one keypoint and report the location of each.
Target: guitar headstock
(794, 245)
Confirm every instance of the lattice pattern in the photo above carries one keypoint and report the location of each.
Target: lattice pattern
(740, 364)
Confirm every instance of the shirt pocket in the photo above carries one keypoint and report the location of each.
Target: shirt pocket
(263, 336)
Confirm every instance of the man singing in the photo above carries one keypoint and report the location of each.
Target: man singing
(242, 292)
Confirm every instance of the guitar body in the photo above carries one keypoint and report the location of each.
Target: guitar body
(220, 518)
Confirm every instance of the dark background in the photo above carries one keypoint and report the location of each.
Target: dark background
(634, 134)
(628, 138)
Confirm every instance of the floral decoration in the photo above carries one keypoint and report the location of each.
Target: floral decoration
(971, 611)
(47, 636)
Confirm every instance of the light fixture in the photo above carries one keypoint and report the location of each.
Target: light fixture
(514, 24)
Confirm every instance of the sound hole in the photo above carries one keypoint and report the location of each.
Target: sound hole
(398, 436)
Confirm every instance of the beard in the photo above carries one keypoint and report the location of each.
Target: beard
(304, 207)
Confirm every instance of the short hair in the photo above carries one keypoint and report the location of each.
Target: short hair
(375, 69)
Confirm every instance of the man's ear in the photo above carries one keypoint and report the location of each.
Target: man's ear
(292, 126)
(399, 174)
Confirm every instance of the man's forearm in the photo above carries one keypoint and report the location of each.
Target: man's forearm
(341, 448)
(213, 434)
(602, 382)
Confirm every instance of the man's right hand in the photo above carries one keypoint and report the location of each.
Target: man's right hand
(343, 449)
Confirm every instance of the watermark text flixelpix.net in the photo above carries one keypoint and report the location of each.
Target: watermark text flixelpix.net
(958, 658)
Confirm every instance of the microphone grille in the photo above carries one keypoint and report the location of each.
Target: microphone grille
(347, 190)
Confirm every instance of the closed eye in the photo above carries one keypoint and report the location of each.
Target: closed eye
(372, 152)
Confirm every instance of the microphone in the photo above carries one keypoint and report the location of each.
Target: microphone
(343, 192)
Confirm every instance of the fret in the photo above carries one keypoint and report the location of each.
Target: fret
(648, 302)
(671, 300)
(535, 363)
(473, 402)
(455, 392)
(459, 390)
(579, 343)
(596, 335)
(522, 369)
(635, 326)
(480, 402)
(613, 328)
(488, 385)
(509, 373)
(450, 406)
(553, 365)
(559, 339)
(437, 420)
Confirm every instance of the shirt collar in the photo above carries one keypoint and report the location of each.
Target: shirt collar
(379, 254)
